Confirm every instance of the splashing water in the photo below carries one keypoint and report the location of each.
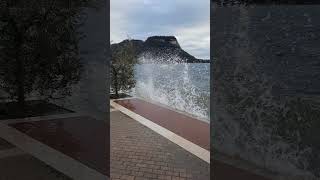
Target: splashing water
(182, 86)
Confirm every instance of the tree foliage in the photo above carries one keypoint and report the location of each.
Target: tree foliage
(39, 47)
(123, 59)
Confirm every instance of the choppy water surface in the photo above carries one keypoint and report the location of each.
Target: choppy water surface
(185, 87)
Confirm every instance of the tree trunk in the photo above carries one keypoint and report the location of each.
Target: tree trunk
(20, 84)
(116, 86)
(20, 76)
(115, 82)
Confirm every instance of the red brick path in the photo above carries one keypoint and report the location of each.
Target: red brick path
(194, 130)
(191, 129)
(82, 138)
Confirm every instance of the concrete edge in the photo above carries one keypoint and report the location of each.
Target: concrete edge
(180, 141)
(41, 118)
(61, 162)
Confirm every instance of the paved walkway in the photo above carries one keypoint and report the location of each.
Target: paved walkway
(185, 126)
(67, 146)
(223, 171)
(73, 146)
(81, 138)
(15, 164)
(138, 153)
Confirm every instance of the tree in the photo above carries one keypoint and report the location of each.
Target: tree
(123, 59)
(39, 47)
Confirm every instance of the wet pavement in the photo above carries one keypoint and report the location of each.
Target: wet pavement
(185, 126)
(139, 153)
(26, 167)
(223, 171)
(191, 129)
(82, 138)
(5, 144)
(15, 164)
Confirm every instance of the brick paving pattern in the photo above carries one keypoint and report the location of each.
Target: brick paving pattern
(138, 153)
(185, 126)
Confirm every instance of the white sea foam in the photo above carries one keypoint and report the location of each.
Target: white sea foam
(182, 86)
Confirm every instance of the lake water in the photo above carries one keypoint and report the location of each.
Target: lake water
(185, 87)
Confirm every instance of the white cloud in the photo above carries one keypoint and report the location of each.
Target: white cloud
(188, 20)
(195, 40)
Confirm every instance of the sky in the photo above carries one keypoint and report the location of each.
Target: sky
(187, 20)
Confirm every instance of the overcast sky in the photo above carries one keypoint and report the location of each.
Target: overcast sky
(188, 20)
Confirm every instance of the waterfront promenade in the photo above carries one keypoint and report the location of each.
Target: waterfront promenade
(147, 141)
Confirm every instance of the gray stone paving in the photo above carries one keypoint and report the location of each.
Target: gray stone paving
(18, 166)
(138, 153)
